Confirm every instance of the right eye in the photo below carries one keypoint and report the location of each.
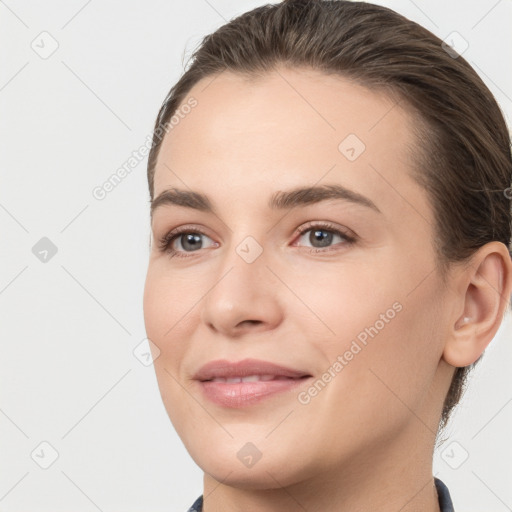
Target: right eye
(183, 240)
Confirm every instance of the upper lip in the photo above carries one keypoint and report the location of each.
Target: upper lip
(244, 368)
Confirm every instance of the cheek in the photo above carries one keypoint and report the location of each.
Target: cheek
(167, 316)
(394, 370)
(336, 304)
(168, 304)
(383, 337)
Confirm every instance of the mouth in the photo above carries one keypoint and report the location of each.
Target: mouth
(247, 382)
(224, 369)
(254, 378)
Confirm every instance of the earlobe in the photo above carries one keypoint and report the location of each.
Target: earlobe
(485, 287)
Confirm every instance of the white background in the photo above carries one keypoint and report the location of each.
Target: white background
(68, 327)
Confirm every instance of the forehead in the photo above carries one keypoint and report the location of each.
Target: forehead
(289, 127)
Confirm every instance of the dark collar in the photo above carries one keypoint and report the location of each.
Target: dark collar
(445, 500)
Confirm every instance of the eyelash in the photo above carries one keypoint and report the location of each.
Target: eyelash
(165, 243)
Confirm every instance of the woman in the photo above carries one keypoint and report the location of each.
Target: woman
(330, 213)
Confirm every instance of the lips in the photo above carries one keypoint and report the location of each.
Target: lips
(248, 382)
(246, 369)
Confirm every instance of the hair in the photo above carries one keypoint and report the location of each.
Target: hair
(462, 157)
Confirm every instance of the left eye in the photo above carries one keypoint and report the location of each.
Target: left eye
(320, 237)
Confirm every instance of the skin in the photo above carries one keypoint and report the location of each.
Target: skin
(365, 441)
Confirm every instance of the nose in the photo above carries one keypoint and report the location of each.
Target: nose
(244, 298)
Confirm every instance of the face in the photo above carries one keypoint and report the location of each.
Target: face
(340, 287)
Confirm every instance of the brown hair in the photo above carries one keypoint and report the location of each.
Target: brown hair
(463, 158)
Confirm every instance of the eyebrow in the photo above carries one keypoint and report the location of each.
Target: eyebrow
(281, 200)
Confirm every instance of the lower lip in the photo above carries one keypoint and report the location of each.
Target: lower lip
(242, 394)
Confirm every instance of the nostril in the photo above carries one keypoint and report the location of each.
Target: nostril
(252, 322)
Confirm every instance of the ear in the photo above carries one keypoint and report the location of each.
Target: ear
(484, 288)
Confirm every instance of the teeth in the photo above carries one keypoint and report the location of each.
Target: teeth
(249, 378)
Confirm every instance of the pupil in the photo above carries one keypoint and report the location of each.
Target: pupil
(321, 236)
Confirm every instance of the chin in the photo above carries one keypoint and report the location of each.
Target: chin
(255, 478)
(272, 471)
